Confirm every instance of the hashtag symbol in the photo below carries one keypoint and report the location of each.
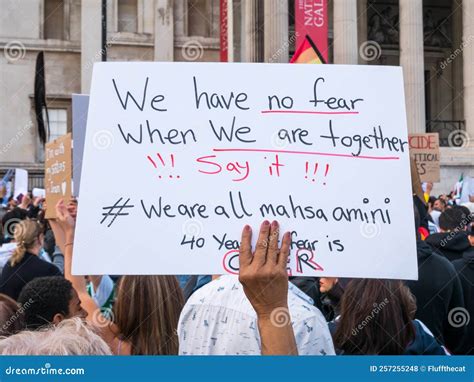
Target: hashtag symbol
(115, 210)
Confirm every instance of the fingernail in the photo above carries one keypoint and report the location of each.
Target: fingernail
(247, 228)
(274, 224)
(265, 223)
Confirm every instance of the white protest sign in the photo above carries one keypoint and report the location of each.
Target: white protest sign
(80, 105)
(178, 157)
(39, 193)
(21, 182)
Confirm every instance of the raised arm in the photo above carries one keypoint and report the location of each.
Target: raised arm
(264, 278)
(66, 224)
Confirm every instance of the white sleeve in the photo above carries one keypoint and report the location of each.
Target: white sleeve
(102, 294)
(313, 337)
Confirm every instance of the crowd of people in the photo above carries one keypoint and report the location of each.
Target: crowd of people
(46, 310)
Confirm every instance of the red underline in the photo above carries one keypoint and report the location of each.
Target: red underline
(308, 153)
(307, 112)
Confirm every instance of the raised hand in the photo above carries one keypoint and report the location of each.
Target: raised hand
(64, 218)
(264, 277)
(263, 273)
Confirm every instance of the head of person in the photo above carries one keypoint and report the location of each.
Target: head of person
(431, 201)
(454, 219)
(70, 337)
(445, 197)
(146, 312)
(439, 205)
(29, 238)
(25, 200)
(11, 316)
(49, 300)
(376, 318)
(10, 221)
(326, 283)
(12, 203)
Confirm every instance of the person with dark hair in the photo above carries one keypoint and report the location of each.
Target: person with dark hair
(31, 206)
(453, 239)
(146, 311)
(49, 300)
(331, 289)
(437, 291)
(465, 270)
(310, 287)
(431, 201)
(11, 316)
(9, 221)
(377, 318)
(439, 205)
(456, 219)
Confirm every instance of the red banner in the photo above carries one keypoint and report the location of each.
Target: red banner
(224, 45)
(311, 18)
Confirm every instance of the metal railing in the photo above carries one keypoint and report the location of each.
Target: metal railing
(449, 131)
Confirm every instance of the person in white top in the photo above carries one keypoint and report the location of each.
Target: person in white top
(218, 319)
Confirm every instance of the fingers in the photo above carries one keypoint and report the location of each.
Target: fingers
(267, 250)
(58, 208)
(245, 250)
(282, 260)
(61, 210)
(260, 255)
(272, 254)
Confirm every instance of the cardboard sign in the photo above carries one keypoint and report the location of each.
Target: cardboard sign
(57, 173)
(179, 157)
(80, 105)
(416, 186)
(424, 148)
(21, 182)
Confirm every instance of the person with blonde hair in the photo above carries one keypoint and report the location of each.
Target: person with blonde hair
(70, 337)
(24, 264)
(145, 315)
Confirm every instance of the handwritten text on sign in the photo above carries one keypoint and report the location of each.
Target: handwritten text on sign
(424, 148)
(57, 173)
(179, 157)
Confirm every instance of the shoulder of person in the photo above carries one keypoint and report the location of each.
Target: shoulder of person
(442, 262)
(47, 267)
(223, 291)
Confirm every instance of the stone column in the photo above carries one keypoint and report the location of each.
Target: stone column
(456, 64)
(276, 38)
(180, 18)
(249, 36)
(345, 32)
(361, 27)
(413, 63)
(91, 40)
(164, 30)
(468, 66)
